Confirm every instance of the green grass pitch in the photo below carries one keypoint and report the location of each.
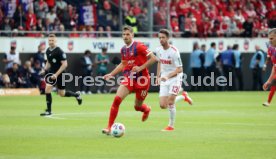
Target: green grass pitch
(231, 125)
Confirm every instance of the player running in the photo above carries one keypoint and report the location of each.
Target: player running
(169, 77)
(136, 58)
(56, 65)
(271, 82)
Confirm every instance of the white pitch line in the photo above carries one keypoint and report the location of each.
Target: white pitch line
(52, 117)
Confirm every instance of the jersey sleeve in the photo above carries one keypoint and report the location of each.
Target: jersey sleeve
(62, 55)
(177, 59)
(142, 49)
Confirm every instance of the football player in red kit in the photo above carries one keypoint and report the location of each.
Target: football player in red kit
(271, 82)
(136, 58)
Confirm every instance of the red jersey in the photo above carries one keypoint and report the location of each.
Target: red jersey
(272, 54)
(135, 55)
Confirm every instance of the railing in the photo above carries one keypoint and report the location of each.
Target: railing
(72, 34)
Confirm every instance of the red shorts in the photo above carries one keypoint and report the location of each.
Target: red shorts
(139, 86)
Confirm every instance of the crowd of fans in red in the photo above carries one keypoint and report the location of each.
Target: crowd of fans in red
(188, 18)
(246, 18)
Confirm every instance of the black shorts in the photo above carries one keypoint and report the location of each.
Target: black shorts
(57, 83)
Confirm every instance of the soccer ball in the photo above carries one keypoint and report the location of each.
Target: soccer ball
(117, 130)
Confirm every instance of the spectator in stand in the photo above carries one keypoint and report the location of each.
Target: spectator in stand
(239, 16)
(50, 3)
(250, 11)
(248, 27)
(39, 57)
(48, 25)
(41, 9)
(61, 4)
(34, 33)
(65, 19)
(1, 15)
(6, 26)
(131, 20)
(14, 75)
(51, 16)
(108, 30)
(56, 25)
(229, 12)
(30, 19)
(194, 31)
(160, 19)
(101, 33)
(136, 8)
(173, 12)
(83, 34)
(25, 75)
(74, 33)
(143, 21)
(39, 25)
(232, 29)
(62, 31)
(175, 27)
(264, 28)
(5, 81)
(91, 33)
(11, 57)
(183, 7)
(19, 16)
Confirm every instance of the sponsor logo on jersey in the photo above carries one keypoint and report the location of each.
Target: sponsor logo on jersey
(168, 62)
(54, 60)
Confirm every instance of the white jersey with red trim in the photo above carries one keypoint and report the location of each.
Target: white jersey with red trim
(169, 60)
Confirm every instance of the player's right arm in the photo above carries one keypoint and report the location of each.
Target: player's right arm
(117, 70)
(270, 79)
(46, 68)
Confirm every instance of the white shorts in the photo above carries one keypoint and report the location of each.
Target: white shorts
(170, 87)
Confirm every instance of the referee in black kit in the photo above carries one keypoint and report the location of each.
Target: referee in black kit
(55, 66)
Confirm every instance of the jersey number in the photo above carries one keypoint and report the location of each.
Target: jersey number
(175, 89)
(144, 93)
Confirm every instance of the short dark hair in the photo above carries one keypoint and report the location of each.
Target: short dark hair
(165, 31)
(51, 36)
(213, 44)
(235, 46)
(126, 27)
(87, 52)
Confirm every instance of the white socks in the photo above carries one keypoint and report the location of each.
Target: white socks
(178, 98)
(172, 111)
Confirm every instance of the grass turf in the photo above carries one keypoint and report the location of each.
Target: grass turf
(220, 125)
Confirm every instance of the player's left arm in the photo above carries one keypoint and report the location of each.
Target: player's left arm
(151, 59)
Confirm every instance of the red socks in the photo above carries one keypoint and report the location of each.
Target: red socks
(271, 93)
(142, 108)
(114, 110)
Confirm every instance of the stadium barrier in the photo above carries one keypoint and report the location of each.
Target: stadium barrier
(19, 92)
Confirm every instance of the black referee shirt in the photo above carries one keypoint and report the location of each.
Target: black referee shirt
(54, 57)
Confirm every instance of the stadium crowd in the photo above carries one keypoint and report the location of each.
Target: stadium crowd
(188, 18)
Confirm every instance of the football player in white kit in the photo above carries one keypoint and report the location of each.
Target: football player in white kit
(169, 77)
